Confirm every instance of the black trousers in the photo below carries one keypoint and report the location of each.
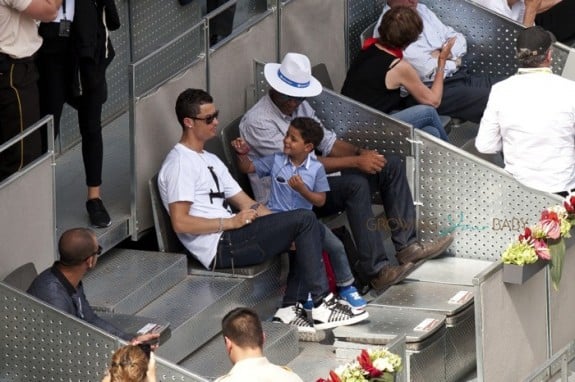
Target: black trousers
(57, 79)
(560, 20)
(19, 108)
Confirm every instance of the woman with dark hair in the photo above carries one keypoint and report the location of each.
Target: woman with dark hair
(378, 74)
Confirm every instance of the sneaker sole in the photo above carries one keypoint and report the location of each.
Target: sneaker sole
(350, 321)
(100, 226)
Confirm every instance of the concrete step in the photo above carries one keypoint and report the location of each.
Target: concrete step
(195, 306)
(211, 361)
(124, 280)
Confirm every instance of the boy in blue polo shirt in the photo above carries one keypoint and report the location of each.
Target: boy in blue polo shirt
(298, 180)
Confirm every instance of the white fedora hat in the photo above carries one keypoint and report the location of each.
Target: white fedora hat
(293, 76)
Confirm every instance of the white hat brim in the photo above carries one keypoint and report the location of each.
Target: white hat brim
(271, 74)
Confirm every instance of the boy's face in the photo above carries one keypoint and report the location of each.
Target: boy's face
(294, 144)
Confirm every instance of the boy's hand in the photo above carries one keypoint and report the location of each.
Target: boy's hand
(241, 146)
(296, 182)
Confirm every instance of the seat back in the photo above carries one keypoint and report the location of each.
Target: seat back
(228, 134)
(367, 33)
(22, 277)
(167, 239)
(320, 72)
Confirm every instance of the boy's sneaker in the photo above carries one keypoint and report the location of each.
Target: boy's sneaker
(350, 296)
(331, 313)
(295, 315)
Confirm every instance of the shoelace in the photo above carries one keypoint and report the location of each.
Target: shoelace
(339, 311)
(301, 317)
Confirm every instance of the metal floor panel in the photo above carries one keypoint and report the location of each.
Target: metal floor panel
(212, 361)
(385, 324)
(71, 186)
(126, 280)
(431, 297)
(450, 270)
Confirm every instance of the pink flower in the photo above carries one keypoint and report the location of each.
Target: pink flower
(550, 224)
(541, 249)
(526, 235)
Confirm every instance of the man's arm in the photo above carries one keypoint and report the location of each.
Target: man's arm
(344, 155)
(43, 10)
(489, 140)
(534, 7)
(243, 202)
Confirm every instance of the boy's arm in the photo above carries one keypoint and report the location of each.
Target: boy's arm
(244, 163)
(315, 198)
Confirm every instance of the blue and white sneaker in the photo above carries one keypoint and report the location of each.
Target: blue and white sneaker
(350, 296)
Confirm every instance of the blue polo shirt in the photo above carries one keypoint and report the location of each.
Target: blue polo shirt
(280, 169)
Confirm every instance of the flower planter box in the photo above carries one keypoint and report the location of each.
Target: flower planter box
(518, 274)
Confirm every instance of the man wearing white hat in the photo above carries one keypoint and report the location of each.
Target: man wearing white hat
(264, 127)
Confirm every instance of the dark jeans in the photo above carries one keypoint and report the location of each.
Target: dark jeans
(56, 88)
(559, 20)
(352, 192)
(272, 235)
(19, 109)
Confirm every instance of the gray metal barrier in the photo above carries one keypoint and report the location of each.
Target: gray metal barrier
(556, 366)
(28, 208)
(42, 344)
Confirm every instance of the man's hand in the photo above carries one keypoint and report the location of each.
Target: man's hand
(370, 161)
(244, 218)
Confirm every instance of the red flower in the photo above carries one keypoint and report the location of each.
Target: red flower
(366, 364)
(526, 235)
(542, 249)
(569, 205)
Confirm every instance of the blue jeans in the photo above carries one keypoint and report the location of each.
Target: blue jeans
(423, 117)
(337, 257)
(272, 235)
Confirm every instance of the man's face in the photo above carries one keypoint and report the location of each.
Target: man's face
(402, 3)
(206, 122)
(287, 104)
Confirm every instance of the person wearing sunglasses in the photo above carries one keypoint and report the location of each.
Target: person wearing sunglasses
(61, 284)
(193, 184)
(353, 170)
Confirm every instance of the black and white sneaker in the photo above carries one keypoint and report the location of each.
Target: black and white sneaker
(331, 313)
(295, 315)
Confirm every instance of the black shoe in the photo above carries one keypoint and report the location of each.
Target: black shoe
(99, 217)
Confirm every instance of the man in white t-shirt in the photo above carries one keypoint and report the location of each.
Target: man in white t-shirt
(197, 190)
(19, 107)
(531, 118)
(553, 15)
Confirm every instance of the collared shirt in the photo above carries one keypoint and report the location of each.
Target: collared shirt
(54, 288)
(185, 177)
(515, 12)
(259, 370)
(435, 34)
(280, 168)
(531, 118)
(264, 127)
(18, 33)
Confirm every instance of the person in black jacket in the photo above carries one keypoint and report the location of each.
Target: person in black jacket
(72, 62)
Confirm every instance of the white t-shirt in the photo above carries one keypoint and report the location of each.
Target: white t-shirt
(185, 177)
(531, 118)
(515, 12)
(18, 33)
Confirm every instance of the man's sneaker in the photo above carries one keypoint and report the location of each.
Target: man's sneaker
(98, 215)
(391, 274)
(417, 251)
(350, 296)
(331, 313)
(295, 315)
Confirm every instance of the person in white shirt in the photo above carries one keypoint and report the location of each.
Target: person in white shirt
(549, 14)
(244, 339)
(464, 95)
(531, 118)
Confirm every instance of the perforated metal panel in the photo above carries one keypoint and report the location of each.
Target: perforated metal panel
(41, 344)
(360, 14)
(481, 203)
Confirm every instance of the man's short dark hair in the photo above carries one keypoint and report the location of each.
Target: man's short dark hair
(76, 245)
(400, 26)
(310, 130)
(244, 328)
(189, 102)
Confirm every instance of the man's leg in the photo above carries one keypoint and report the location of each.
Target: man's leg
(271, 235)
(351, 192)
